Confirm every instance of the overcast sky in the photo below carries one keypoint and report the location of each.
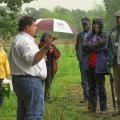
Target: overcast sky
(69, 4)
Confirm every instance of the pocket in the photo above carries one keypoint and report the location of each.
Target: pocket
(85, 63)
(101, 64)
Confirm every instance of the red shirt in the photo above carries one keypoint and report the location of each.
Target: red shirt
(92, 59)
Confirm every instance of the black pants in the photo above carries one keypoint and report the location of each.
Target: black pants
(48, 82)
(1, 93)
(97, 89)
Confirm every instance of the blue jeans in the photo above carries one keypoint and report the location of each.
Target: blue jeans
(84, 83)
(30, 97)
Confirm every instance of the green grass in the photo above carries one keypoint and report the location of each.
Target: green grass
(66, 94)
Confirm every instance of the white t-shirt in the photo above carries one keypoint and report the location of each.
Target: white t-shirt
(22, 55)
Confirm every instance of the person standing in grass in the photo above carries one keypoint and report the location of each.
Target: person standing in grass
(51, 61)
(28, 68)
(96, 50)
(114, 52)
(4, 70)
(81, 38)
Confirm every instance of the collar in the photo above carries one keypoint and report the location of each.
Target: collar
(87, 31)
(29, 36)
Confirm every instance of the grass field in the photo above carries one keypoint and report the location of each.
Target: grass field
(66, 94)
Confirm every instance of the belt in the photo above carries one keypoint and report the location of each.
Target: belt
(25, 76)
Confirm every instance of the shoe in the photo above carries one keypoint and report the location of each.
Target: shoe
(116, 114)
(103, 112)
(82, 101)
(46, 98)
(86, 98)
(91, 109)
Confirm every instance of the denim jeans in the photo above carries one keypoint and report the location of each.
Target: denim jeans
(84, 83)
(30, 97)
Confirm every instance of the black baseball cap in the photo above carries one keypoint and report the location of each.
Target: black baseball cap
(85, 20)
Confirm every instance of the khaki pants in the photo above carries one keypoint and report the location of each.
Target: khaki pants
(116, 75)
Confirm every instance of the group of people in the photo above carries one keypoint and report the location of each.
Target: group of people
(97, 52)
(30, 64)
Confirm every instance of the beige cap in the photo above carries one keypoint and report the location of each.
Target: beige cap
(117, 13)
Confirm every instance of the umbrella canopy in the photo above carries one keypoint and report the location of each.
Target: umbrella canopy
(55, 25)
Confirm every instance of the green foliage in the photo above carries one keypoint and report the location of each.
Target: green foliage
(14, 4)
(98, 12)
(8, 24)
(111, 7)
(73, 17)
(77, 16)
(8, 17)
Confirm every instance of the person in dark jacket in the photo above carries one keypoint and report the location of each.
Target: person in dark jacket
(80, 54)
(51, 61)
(96, 62)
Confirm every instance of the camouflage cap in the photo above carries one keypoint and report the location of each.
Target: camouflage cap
(117, 13)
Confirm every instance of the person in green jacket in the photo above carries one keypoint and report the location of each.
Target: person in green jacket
(113, 45)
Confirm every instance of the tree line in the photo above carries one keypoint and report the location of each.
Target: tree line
(10, 13)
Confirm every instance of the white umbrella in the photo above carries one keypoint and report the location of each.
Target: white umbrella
(55, 25)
